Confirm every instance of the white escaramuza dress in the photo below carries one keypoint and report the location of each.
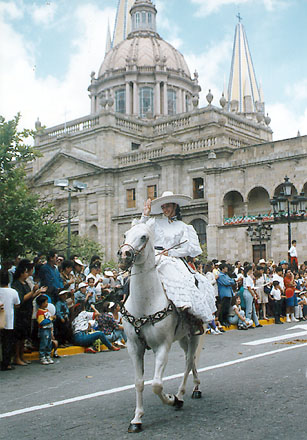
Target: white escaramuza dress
(179, 280)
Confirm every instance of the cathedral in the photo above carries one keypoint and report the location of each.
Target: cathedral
(146, 134)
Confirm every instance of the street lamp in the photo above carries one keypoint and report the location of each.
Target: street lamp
(287, 207)
(259, 232)
(76, 186)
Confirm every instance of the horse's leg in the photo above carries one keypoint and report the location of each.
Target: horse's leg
(161, 357)
(189, 345)
(137, 351)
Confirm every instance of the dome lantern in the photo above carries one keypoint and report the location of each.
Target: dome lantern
(143, 17)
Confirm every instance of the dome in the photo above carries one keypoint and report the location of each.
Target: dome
(144, 51)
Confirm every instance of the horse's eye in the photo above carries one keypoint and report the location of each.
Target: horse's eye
(143, 238)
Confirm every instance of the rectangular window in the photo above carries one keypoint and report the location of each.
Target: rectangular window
(198, 188)
(120, 101)
(171, 101)
(152, 192)
(130, 198)
(143, 17)
(135, 146)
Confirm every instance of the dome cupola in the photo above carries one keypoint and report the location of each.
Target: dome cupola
(143, 17)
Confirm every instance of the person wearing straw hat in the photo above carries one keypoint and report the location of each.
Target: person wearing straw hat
(190, 291)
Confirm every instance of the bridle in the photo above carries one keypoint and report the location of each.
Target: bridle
(135, 252)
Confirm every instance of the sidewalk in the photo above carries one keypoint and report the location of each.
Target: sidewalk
(73, 350)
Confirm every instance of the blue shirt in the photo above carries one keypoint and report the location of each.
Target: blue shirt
(224, 283)
(50, 276)
(62, 310)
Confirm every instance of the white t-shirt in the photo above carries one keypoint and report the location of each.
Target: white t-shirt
(293, 251)
(248, 282)
(80, 323)
(280, 279)
(275, 293)
(10, 298)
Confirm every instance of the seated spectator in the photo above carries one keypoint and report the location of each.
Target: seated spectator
(62, 324)
(237, 316)
(113, 330)
(9, 299)
(82, 334)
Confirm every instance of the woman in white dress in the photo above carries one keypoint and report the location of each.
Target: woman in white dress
(188, 290)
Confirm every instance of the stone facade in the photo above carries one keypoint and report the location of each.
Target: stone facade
(222, 157)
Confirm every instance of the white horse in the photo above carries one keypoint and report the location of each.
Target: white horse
(152, 321)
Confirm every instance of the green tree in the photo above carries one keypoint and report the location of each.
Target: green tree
(27, 225)
(82, 246)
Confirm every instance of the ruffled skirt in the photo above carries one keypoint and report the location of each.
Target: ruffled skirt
(180, 287)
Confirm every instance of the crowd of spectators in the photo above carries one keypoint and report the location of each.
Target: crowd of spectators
(248, 292)
(57, 303)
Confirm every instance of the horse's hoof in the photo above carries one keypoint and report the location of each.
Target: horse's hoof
(178, 404)
(196, 394)
(135, 427)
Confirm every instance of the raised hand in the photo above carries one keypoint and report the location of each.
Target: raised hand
(147, 207)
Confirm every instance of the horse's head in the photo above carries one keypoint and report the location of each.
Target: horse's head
(138, 242)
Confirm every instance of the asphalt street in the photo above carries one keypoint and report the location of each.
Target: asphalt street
(253, 384)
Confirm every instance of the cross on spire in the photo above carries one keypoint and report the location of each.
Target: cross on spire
(239, 17)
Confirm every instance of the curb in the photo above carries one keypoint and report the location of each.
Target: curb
(73, 350)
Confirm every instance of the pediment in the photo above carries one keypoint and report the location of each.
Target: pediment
(64, 166)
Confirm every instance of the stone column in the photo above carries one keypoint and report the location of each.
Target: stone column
(165, 109)
(157, 110)
(82, 210)
(135, 99)
(128, 99)
(93, 104)
(179, 105)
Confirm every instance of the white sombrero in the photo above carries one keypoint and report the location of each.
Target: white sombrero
(169, 197)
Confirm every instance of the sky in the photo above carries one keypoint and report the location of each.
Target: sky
(48, 50)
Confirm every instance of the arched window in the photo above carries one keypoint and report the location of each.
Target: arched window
(93, 232)
(200, 228)
(171, 101)
(137, 20)
(146, 101)
(258, 201)
(150, 19)
(120, 101)
(187, 103)
(233, 204)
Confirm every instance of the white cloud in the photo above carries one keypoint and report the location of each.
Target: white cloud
(210, 66)
(11, 10)
(169, 27)
(44, 14)
(207, 7)
(52, 99)
(285, 122)
(297, 91)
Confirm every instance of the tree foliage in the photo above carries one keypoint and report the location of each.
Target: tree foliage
(26, 224)
(82, 246)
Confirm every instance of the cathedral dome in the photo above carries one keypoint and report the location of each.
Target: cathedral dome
(143, 51)
(142, 75)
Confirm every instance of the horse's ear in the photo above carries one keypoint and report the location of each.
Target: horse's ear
(134, 222)
(151, 223)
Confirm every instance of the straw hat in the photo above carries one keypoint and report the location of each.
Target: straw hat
(169, 197)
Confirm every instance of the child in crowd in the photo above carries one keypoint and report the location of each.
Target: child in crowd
(91, 293)
(277, 296)
(62, 323)
(80, 295)
(44, 320)
(237, 316)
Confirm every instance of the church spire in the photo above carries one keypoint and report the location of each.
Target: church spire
(122, 21)
(108, 40)
(244, 95)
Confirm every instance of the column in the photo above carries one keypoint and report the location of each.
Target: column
(158, 100)
(93, 104)
(179, 105)
(165, 107)
(135, 99)
(128, 99)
